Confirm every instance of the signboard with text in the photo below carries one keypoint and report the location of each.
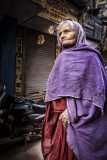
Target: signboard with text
(56, 11)
(92, 26)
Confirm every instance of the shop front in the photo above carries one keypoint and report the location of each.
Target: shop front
(35, 56)
(39, 48)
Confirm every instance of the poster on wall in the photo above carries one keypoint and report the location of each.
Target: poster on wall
(92, 26)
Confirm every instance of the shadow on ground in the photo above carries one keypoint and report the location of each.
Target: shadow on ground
(17, 149)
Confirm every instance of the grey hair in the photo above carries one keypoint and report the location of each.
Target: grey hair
(66, 21)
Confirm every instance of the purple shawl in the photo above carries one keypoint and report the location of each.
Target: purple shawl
(78, 72)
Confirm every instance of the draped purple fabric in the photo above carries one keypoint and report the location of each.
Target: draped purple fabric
(79, 33)
(78, 72)
(87, 132)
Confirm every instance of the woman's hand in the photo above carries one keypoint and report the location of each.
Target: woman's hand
(64, 116)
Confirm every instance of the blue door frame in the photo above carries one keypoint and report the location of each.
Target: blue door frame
(8, 54)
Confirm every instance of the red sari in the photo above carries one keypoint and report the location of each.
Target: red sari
(54, 144)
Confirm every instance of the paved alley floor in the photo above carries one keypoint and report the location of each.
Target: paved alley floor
(17, 150)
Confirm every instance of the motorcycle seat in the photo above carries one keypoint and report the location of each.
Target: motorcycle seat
(39, 108)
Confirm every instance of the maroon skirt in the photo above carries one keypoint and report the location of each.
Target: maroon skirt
(54, 144)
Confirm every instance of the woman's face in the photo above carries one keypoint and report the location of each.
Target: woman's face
(66, 35)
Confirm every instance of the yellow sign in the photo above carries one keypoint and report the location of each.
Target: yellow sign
(41, 39)
(51, 29)
(40, 2)
(57, 11)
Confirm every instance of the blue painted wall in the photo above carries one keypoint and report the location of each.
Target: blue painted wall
(9, 54)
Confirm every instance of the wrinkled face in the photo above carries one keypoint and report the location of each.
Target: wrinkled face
(66, 35)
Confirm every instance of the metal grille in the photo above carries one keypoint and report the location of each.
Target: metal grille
(39, 60)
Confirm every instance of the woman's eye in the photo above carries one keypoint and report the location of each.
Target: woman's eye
(66, 31)
(59, 34)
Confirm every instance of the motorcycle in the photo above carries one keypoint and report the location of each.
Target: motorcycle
(20, 116)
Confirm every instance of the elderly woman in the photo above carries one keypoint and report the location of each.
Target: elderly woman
(75, 125)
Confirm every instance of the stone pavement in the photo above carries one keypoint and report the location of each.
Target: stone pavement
(17, 150)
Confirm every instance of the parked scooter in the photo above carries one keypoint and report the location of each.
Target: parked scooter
(20, 116)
